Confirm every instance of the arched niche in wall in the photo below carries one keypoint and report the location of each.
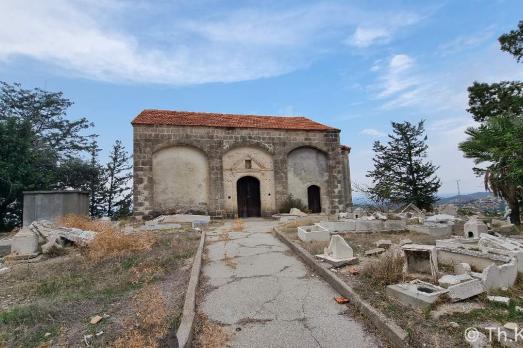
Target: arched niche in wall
(180, 179)
(308, 166)
(252, 161)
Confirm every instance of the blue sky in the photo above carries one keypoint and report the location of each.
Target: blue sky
(354, 65)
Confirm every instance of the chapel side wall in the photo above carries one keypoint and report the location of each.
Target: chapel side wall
(215, 142)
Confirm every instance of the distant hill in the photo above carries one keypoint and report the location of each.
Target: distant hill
(464, 198)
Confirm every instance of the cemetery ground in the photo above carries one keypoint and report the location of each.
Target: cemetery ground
(441, 325)
(121, 290)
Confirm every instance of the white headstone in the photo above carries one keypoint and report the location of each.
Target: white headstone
(338, 248)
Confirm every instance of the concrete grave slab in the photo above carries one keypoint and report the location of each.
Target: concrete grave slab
(416, 294)
(313, 233)
(421, 258)
(436, 230)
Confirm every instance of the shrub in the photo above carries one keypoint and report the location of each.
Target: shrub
(291, 202)
(388, 269)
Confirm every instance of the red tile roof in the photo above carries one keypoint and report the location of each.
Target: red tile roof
(206, 119)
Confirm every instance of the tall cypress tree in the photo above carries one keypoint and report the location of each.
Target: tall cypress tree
(401, 171)
(118, 175)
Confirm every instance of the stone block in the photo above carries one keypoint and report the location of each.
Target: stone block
(313, 233)
(499, 299)
(465, 290)
(25, 242)
(416, 294)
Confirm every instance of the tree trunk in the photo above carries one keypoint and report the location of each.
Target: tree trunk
(514, 212)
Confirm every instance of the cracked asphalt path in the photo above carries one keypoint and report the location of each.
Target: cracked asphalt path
(268, 297)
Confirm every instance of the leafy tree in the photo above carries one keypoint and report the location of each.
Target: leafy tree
(45, 111)
(513, 42)
(39, 147)
(118, 174)
(401, 172)
(497, 143)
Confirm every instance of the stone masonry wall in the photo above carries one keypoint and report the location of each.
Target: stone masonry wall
(215, 142)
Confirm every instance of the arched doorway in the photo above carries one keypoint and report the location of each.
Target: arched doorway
(248, 192)
(313, 194)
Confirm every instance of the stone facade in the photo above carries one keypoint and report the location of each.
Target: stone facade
(195, 168)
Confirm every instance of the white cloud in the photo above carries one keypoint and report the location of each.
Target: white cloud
(381, 29)
(114, 40)
(465, 42)
(397, 76)
(364, 37)
(372, 132)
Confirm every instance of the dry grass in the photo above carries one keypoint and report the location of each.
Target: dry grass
(238, 225)
(59, 295)
(229, 261)
(110, 243)
(224, 237)
(85, 223)
(388, 269)
(151, 322)
(211, 335)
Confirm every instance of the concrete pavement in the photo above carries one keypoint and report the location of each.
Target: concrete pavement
(269, 298)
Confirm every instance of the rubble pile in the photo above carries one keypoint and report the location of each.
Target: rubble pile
(42, 236)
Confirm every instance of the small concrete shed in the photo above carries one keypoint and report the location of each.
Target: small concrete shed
(52, 205)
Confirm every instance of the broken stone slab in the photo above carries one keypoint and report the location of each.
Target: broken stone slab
(313, 233)
(25, 242)
(383, 243)
(465, 290)
(373, 252)
(284, 217)
(440, 218)
(338, 253)
(297, 212)
(479, 260)
(416, 294)
(421, 258)
(500, 276)
(449, 279)
(474, 228)
(456, 307)
(184, 218)
(499, 299)
(160, 227)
